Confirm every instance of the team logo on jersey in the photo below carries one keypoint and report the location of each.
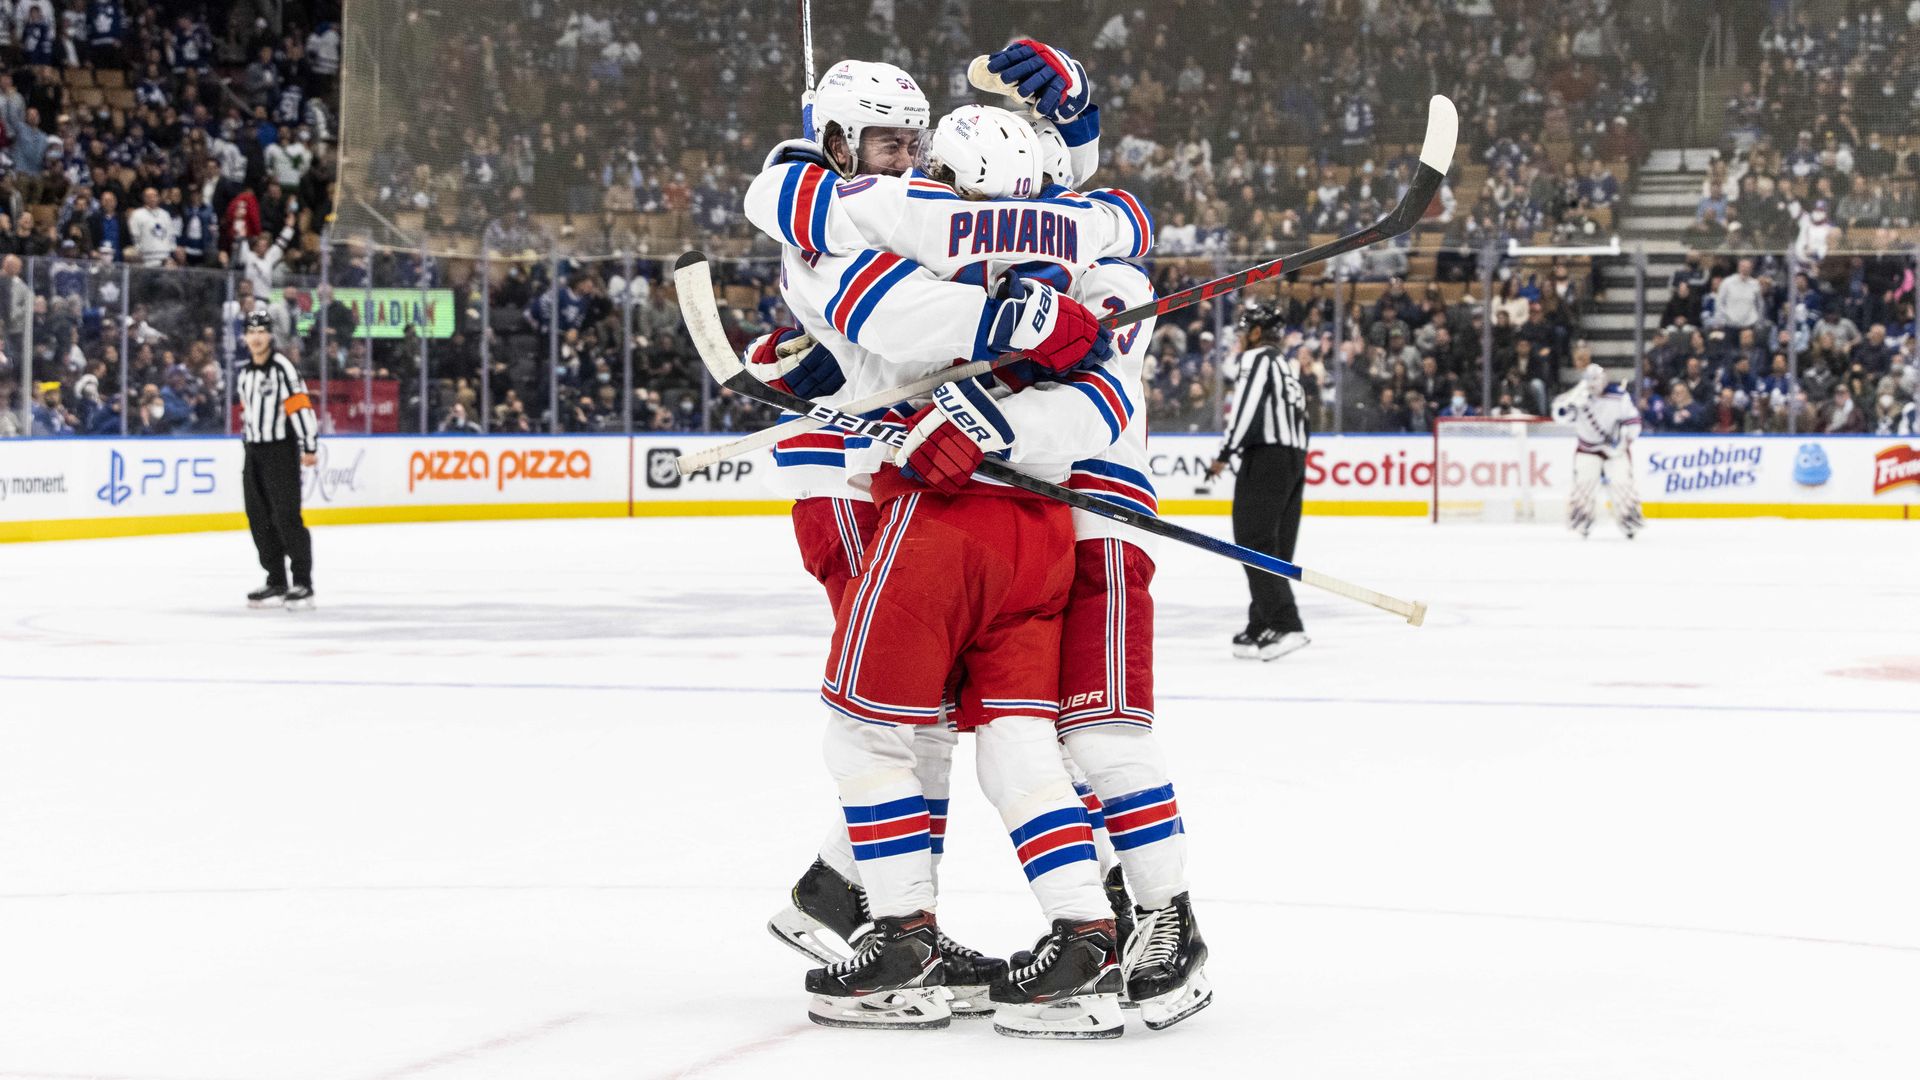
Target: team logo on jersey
(1894, 466)
(1810, 466)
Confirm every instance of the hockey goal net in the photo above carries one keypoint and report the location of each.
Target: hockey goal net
(1504, 469)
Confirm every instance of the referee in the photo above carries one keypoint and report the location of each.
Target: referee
(1267, 427)
(280, 435)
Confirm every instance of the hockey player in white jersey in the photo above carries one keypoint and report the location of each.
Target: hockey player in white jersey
(1605, 422)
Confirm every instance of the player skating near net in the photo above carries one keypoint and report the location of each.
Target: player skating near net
(1605, 422)
(1103, 410)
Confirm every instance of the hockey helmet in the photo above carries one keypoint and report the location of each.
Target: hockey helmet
(1262, 314)
(985, 151)
(1595, 378)
(855, 95)
(1056, 160)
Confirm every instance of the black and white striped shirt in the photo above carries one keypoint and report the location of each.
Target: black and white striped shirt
(1269, 404)
(274, 404)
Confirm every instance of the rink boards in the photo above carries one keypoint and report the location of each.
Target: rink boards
(57, 489)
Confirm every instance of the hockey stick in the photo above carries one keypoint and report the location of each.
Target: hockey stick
(1435, 155)
(693, 281)
(806, 56)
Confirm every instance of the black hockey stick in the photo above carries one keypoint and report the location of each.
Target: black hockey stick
(693, 281)
(1436, 153)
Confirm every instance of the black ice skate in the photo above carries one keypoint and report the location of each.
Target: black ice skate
(823, 903)
(1271, 644)
(1070, 989)
(267, 596)
(1243, 646)
(894, 981)
(1164, 963)
(970, 977)
(300, 598)
(1122, 904)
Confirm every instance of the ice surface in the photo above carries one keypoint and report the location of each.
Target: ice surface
(517, 800)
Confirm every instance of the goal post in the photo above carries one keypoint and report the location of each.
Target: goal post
(1501, 469)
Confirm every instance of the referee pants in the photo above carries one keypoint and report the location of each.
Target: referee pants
(1266, 517)
(271, 480)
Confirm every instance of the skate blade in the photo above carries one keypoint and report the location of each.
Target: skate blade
(1246, 652)
(1089, 1016)
(970, 1002)
(899, 1010)
(263, 605)
(298, 605)
(805, 935)
(1170, 1008)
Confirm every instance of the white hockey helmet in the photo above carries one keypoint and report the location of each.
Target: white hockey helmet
(855, 95)
(985, 151)
(1595, 377)
(1056, 160)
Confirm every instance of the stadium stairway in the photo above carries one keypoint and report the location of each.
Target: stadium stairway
(1656, 214)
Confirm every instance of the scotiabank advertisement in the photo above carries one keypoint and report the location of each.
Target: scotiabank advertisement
(1386, 474)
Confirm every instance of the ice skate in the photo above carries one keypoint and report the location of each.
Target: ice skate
(1070, 989)
(827, 910)
(300, 598)
(267, 596)
(894, 981)
(1271, 644)
(1164, 965)
(1243, 646)
(970, 977)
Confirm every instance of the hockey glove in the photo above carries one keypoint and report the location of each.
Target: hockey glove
(948, 439)
(801, 150)
(1054, 83)
(1058, 332)
(789, 360)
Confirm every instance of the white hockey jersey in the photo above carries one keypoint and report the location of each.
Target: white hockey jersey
(918, 324)
(852, 274)
(805, 206)
(1605, 424)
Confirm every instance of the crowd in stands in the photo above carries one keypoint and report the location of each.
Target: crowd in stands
(144, 134)
(1750, 345)
(161, 137)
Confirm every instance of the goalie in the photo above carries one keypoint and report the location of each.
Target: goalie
(1605, 421)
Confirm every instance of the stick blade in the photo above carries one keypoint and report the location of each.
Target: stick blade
(1419, 615)
(693, 284)
(984, 79)
(1443, 132)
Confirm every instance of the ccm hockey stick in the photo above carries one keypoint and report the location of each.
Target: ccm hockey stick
(1436, 153)
(693, 281)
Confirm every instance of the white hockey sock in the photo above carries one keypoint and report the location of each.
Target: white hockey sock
(1022, 775)
(885, 812)
(933, 763)
(1128, 773)
(1096, 820)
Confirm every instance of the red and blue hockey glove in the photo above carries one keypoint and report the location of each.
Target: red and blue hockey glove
(948, 439)
(1054, 83)
(789, 360)
(1054, 328)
